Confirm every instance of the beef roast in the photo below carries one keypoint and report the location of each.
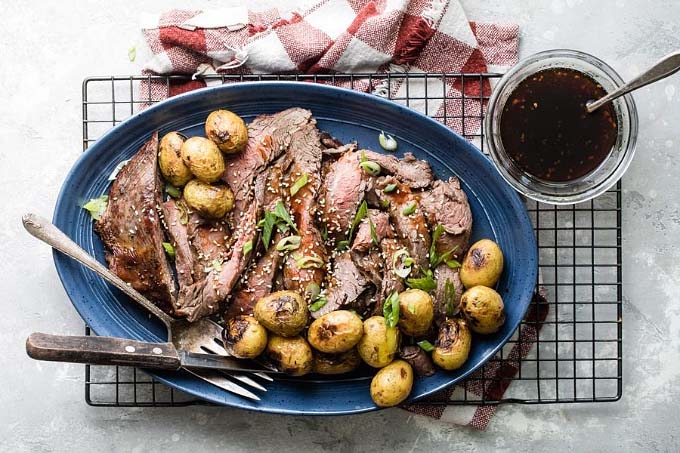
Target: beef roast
(446, 299)
(447, 205)
(344, 285)
(130, 229)
(415, 173)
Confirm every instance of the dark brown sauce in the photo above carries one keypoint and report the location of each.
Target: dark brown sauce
(547, 131)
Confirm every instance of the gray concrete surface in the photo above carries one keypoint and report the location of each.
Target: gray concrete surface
(48, 47)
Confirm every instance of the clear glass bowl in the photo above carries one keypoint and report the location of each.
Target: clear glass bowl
(591, 184)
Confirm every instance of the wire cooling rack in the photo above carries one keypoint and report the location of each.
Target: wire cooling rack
(573, 353)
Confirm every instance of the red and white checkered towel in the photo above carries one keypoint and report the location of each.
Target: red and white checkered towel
(357, 36)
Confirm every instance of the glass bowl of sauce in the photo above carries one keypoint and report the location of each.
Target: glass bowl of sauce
(542, 139)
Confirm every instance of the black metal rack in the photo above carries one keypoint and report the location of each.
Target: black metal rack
(568, 349)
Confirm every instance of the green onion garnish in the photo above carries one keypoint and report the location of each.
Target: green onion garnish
(299, 184)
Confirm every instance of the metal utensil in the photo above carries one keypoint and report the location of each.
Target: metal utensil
(202, 336)
(668, 65)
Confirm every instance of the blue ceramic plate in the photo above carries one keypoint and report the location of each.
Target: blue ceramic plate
(498, 214)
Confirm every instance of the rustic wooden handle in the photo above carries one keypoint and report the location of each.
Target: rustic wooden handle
(102, 351)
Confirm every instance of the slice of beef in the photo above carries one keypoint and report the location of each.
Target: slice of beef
(209, 239)
(447, 205)
(269, 136)
(415, 173)
(328, 141)
(411, 228)
(381, 226)
(130, 229)
(175, 220)
(446, 303)
(364, 304)
(418, 359)
(390, 281)
(345, 284)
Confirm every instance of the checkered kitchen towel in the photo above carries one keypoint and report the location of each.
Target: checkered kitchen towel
(357, 36)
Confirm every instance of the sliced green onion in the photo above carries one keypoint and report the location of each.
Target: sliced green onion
(132, 53)
(387, 142)
(391, 310)
(282, 213)
(247, 247)
(289, 243)
(453, 264)
(390, 188)
(320, 302)
(173, 191)
(312, 291)
(342, 245)
(97, 206)
(267, 224)
(363, 156)
(408, 262)
(309, 261)
(217, 265)
(425, 283)
(370, 167)
(324, 232)
(385, 204)
(450, 298)
(435, 258)
(399, 266)
(410, 209)
(374, 235)
(425, 345)
(299, 184)
(169, 249)
(358, 217)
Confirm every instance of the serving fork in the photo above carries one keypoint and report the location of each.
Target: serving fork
(202, 336)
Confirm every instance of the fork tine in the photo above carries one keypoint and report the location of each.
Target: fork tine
(225, 384)
(246, 380)
(264, 376)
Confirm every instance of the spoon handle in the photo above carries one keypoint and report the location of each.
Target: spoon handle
(668, 65)
(44, 230)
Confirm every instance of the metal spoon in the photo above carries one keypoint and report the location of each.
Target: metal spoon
(668, 65)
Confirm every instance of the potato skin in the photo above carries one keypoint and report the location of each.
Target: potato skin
(336, 363)
(334, 332)
(283, 313)
(203, 158)
(453, 344)
(244, 337)
(379, 343)
(292, 355)
(170, 159)
(227, 130)
(213, 201)
(482, 307)
(392, 385)
(482, 265)
(416, 312)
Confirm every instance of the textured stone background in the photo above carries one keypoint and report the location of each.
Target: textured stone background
(48, 47)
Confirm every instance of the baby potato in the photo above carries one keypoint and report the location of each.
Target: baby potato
(291, 355)
(244, 337)
(392, 384)
(482, 265)
(482, 307)
(415, 312)
(227, 130)
(213, 201)
(170, 159)
(203, 158)
(282, 312)
(453, 344)
(343, 362)
(379, 343)
(337, 331)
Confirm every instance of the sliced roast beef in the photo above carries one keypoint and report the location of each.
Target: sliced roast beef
(415, 173)
(345, 284)
(381, 228)
(328, 141)
(209, 239)
(448, 292)
(176, 220)
(390, 282)
(130, 229)
(447, 205)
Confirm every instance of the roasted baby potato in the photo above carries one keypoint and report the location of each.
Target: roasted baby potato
(292, 355)
(453, 344)
(170, 159)
(482, 307)
(379, 343)
(336, 363)
(244, 337)
(282, 312)
(482, 265)
(227, 130)
(203, 158)
(391, 385)
(213, 201)
(334, 332)
(415, 312)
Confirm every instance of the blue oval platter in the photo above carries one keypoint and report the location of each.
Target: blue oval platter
(498, 214)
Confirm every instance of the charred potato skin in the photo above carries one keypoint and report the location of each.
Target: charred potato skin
(330, 364)
(392, 385)
(483, 309)
(452, 347)
(416, 311)
(291, 355)
(170, 160)
(244, 337)
(379, 343)
(283, 313)
(335, 332)
(482, 265)
(227, 130)
(213, 201)
(203, 158)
